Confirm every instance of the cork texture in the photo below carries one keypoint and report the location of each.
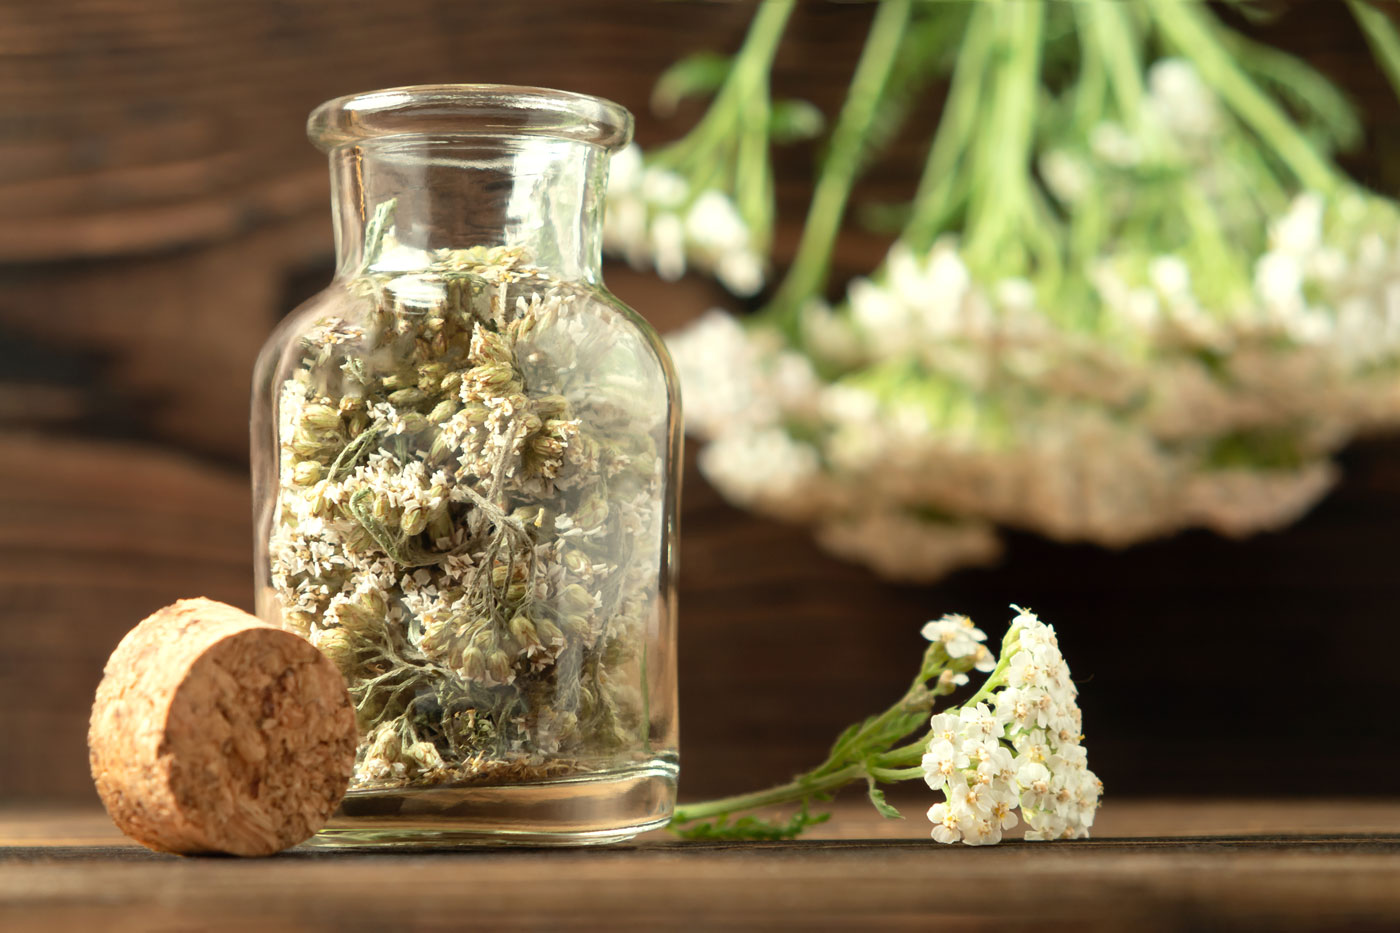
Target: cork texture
(215, 732)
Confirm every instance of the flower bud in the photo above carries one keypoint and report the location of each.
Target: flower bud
(430, 375)
(321, 504)
(491, 375)
(384, 743)
(359, 540)
(338, 645)
(415, 519)
(547, 447)
(425, 755)
(528, 514)
(298, 621)
(475, 414)
(592, 512)
(549, 634)
(473, 666)
(414, 423)
(576, 599)
(407, 398)
(440, 449)
(499, 668)
(440, 529)
(308, 446)
(552, 407)
(306, 472)
(577, 562)
(498, 575)
(489, 347)
(371, 603)
(320, 418)
(382, 509)
(524, 632)
(443, 410)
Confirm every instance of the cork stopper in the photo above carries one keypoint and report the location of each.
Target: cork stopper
(216, 732)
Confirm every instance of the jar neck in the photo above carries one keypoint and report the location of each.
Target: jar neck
(395, 200)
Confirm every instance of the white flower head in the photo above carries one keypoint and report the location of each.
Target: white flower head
(956, 633)
(1018, 748)
(1181, 99)
(943, 763)
(947, 823)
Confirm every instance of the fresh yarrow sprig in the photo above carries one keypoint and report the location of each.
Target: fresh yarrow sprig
(1014, 744)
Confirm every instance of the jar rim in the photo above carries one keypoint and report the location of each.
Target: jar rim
(449, 110)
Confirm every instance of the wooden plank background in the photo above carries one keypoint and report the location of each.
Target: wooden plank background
(161, 210)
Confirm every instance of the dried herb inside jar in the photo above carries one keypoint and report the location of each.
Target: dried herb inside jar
(467, 520)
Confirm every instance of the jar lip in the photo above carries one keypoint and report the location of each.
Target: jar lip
(447, 110)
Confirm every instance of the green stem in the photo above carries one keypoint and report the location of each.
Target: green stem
(807, 276)
(732, 106)
(934, 201)
(1381, 37)
(753, 189)
(1091, 87)
(1184, 25)
(891, 775)
(904, 756)
(1119, 47)
(1003, 199)
(793, 791)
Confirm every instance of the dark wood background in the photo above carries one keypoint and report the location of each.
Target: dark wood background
(160, 210)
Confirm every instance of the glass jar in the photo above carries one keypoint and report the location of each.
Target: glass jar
(465, 483)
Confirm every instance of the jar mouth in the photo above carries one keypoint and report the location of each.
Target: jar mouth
(464, 110)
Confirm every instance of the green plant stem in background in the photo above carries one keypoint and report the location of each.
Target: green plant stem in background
(732, 139)
(807, 275)
(1112, 32)
(1002, 199)
(747, 77)
(942, 189)
(1381, 37)
(1190, 31)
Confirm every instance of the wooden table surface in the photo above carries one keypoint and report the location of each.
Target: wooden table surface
(1153, 865)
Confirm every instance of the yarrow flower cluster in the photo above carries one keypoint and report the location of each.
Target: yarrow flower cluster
(1199, 368)
(1019, 748)
(1013, 745)
(655, 216)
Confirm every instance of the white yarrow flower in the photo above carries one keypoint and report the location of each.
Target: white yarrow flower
(956, 633)
(1020, 748)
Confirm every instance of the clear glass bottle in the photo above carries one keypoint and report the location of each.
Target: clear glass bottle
(465, 456)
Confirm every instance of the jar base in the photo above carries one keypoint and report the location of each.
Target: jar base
(591, 809)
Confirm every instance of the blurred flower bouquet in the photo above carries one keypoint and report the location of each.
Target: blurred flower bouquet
(1131, 294)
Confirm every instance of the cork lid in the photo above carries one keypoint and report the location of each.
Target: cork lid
(213, 731)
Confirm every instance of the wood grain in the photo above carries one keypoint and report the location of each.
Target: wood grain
(1162, 865)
